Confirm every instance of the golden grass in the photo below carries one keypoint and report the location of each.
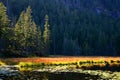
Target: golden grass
(79, 62)
(2, 63)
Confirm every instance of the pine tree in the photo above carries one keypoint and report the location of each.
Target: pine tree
(39, 42)
(4, 21)
(6, 32)
(46, 34)
(19, 31)
(26, 31)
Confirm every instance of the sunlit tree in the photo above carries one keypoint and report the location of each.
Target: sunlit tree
(26, 30)
(4, 21)
(46, 34)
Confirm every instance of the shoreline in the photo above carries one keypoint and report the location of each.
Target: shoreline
(62, 70)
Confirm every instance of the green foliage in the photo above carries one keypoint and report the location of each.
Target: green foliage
(18, 30)
(3, 15)
(46, 34)
(4, 21)
(26, 36)
(6, 31)
(26, 32)
(30, 64)
(86, 28)
(39, 40)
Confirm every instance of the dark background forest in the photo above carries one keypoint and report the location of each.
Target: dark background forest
(73, 27)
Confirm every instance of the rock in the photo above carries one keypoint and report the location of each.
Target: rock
(6, 72)
(116, 75)
(105, 75)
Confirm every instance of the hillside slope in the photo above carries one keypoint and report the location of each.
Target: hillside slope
(78, 27)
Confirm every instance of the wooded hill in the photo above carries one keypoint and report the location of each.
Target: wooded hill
(76, 27)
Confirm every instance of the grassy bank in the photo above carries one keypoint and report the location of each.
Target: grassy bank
(94, 63)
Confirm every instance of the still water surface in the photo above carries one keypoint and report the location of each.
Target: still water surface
(34, 75)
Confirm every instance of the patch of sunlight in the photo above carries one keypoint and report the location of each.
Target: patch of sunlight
(25, 68)
(22, 64)
(2, 63)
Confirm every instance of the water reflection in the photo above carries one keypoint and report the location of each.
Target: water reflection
(59, 76)
(37, 75)
(26, 73)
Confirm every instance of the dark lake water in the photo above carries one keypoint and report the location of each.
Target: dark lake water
(33, 75)
(60, 76)
(56, 74)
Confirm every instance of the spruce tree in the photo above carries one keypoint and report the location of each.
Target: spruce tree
(46, 35)
(39, 43)
(19, 31)
(26, 31)
(6, 32)
(4, 21)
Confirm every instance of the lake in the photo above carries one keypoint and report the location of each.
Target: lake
(60, 68)
(59, 74)
(49, 76)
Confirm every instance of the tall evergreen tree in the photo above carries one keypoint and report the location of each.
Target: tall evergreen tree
(26, 31)
(19, 31)
(6, 33)
(39, 43)
(46, 34)
(97, 31)
(4, 21)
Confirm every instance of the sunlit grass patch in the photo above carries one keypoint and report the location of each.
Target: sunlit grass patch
(30, 64)
(25, 68)
(91, 64)
(98, 64)
(23, 64)
(2, 63)
(62, 63)
(80, 64)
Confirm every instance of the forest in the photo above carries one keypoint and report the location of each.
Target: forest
(59, 27)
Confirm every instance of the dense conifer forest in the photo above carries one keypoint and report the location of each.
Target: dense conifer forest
(59, 27)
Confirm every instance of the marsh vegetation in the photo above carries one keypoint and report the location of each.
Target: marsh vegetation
(60, 68)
